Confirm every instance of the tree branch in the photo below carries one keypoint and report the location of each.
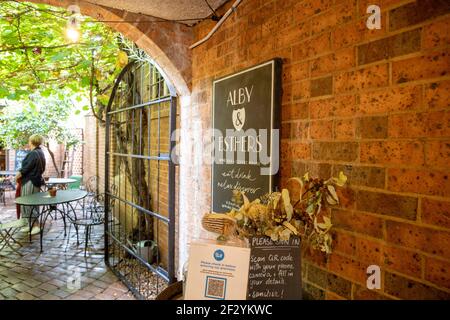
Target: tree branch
(28, 47)
(27, 57)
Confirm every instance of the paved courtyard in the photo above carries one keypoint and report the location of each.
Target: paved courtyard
(52, 275)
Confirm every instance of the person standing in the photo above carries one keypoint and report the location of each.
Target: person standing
(33, 167)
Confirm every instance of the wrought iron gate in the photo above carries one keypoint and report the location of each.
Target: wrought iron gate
(140, 181)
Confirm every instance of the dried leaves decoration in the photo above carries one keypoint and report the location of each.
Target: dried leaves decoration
(274, 215)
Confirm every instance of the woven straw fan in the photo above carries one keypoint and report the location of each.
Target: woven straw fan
(218, 223)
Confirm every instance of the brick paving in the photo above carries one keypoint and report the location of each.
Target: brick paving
(48, 276)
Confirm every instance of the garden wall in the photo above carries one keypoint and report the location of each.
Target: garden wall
(371, 103)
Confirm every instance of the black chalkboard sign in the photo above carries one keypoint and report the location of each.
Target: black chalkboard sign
(20, 155)
(245, 134)
(275, 269)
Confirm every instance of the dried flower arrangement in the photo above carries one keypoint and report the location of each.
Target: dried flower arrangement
(277, 217)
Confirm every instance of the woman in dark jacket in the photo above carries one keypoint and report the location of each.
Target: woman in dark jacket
(33, 167)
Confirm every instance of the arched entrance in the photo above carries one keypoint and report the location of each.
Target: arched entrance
(140, 180)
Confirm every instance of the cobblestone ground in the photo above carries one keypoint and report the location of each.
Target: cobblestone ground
(48, 276)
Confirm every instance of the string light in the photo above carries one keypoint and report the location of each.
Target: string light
(72, 30)
(72, 33)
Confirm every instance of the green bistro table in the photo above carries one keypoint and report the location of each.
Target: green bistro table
(63, 182)
(8, 173)
(50, 204)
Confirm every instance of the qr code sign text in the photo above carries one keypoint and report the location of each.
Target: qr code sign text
(215, 288)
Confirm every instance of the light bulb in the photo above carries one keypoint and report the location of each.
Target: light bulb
(72, 34)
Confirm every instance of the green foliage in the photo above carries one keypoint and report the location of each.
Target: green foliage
(35, 55)
(48, 117)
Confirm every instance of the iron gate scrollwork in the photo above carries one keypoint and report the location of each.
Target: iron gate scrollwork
(140, 180)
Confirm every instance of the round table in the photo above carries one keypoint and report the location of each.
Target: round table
(60, 181)
(49, 204)
(8, 173)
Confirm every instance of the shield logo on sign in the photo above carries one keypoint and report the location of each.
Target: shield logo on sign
(239, 119)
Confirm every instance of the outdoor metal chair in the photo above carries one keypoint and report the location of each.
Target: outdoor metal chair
(91, 215)
(5, 185)
(7, 232)
(2, 194)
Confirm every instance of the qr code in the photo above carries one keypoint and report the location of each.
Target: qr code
(215, 288)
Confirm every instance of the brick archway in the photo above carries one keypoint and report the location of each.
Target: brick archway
(166, 42)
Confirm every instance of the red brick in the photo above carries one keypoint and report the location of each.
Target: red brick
(438, 124)
(437, 153)
(370, 77)
(362, 293)
(287, 95)
(384, 5)
(321, 86)
(411, 125)
(323, 65)
(436, 212)
(312, 47)
(404, 288)
(300, 71)
(321, 130)
(358, 222)
(346, 197)
(300, 130)
(340, 151)
(339, 14)
(372, 128)
(333, 297)
(428, 182)
(341, 106)
(295, 72)
(300, 150)
(344, 129)
(301, 90)
(436, 34)
(387, 204)
(416, 12)
(259, 16)
(392, 152)
(305, 9)
(401, 260)
(286, 37)
(369, 251)
(319, 170)
(419, 238)
(416, 125)
(355, 33)
(390, 47)
(362, 175)
(299, 111)
(437, 95)
(316, 257)
(285, 130)
(349, 268)
(438, 272)
(429, 66)
(339, 60)
(392, 99)
(343, 242)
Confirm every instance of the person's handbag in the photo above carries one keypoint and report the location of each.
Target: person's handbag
(18, 194)
(42, 182)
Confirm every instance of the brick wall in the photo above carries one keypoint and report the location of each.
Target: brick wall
(371, 103)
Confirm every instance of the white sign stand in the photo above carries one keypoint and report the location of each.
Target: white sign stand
(217, 272)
